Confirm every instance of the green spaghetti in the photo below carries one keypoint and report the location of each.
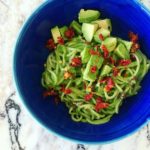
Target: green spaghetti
(90, 70)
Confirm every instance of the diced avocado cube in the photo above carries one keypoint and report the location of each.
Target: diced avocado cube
(110, 43)
(105, 23)
(122, 52)
(62, 31)
(85, 54)
(95, 60)
(104, 32)
(128, 44)
(105, 70)
(86, 16)
(55, 34)
(88, 31)
(76, 26)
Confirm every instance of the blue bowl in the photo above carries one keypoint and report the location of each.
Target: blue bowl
(30, 55)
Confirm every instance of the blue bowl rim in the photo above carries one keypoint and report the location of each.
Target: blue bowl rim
(16, 84)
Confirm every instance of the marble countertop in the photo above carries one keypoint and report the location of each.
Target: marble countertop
(18, 131)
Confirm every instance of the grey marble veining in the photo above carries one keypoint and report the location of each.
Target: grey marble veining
(18, 130)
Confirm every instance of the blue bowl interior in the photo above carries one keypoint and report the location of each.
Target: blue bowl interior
(30, 55)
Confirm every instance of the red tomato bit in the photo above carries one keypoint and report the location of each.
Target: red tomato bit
(124, 62)
(103, 80)
(105, 51)
(69, 33)
(50, 44)
(112, 61)
(93, 69)
(93, 52)
(99, 100)
(100, 104)
(62, 88)
(66, 90)
(76, 62)
(110, 84)
(60, 40)
(115, 71)
(88, 97)
(101, 37)
(133, 37)
(135, 47)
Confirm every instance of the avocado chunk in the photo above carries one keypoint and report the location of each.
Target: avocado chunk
(105, 70)
(104, 32)
(88, 31)
(86, 16)
(95, 60)
(62, 31)
(85, 54)
(55, 34)
(76, 26)
(110, 43)
(105, 23)
(128, 44)
(122, 52)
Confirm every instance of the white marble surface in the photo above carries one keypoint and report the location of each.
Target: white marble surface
(30, 135)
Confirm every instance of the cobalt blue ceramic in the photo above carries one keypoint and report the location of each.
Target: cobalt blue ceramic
(30, 55)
